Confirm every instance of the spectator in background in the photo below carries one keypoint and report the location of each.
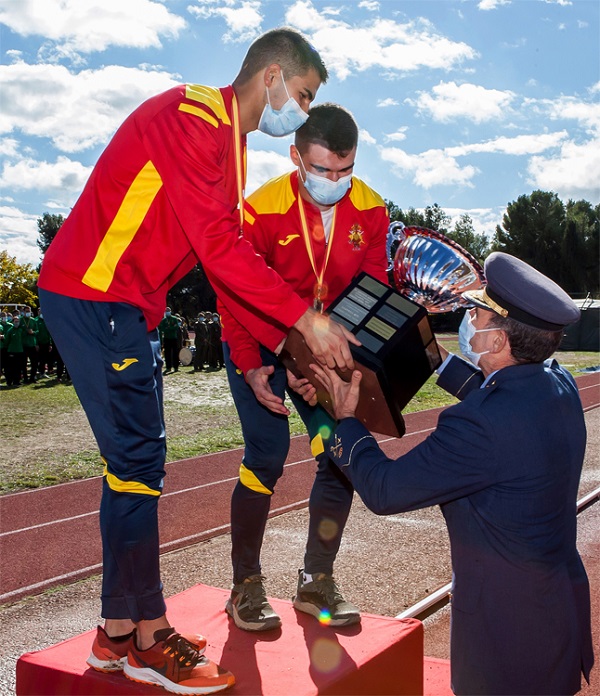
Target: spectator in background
(15, 355)
(44, 342)
(5, 323)
(169, 339)
(200, 342)
(30, 349)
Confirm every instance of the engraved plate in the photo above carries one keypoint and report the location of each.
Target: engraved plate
(369, 341)
(362, 298)
(380, 328)
(351, 311)
(391, 316)
(403, 305)
(373, 286)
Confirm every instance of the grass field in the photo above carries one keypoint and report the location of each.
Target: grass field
(47, 439)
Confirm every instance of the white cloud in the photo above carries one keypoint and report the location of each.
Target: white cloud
(84, 26)
(398, 135)
(519, 145)
(484, 219)
(9, 147)
(564, 3)
(365, 137)
(449, 101)
(586, 113)
(18, 234)
(430, 168)
(243, 18)
(371, 5)
(492, 4)
(384, 44)
(75, 111)
(572, 173)
(63, 177)
(383, 103)
(263, 165)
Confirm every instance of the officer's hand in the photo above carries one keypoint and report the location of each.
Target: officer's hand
(303, 387)
(344, 395)
(258, 379)
(327, 340)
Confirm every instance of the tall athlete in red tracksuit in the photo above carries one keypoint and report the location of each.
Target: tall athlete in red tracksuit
(318, 227)
(164, 195)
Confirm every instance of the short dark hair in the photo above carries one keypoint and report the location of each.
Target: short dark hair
(331, 126)
(528, 344)
(286, 47)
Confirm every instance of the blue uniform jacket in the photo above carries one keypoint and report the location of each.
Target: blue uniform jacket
(504, 465)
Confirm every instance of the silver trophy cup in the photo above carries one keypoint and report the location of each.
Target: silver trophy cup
(431, 269)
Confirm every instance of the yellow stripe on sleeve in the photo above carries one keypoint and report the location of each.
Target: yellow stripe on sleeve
(210, 97)
(248, 479)
(123, 228)
(194, 110)
(363, 197)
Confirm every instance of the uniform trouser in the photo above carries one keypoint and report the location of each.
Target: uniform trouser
(171, 350)
(31, 354)
(266, 439)
(15, 367)
(43, 357)
(115, 366)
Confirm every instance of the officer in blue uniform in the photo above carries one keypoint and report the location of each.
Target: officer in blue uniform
(504, 465)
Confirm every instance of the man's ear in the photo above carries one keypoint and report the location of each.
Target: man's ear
(294, 156)
(271, 73)
(500, 342)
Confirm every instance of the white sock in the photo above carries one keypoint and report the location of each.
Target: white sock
(306, 577)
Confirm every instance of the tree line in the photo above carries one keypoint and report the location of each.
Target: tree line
(559, 239)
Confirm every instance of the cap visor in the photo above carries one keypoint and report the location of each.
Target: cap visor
(476, 298)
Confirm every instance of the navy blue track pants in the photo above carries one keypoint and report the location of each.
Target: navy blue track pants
(115, 366)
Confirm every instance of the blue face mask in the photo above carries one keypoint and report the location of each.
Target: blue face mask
(466, 332)
(325, 191)
(280, 122)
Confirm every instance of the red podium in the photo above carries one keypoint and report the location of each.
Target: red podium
(381, 656)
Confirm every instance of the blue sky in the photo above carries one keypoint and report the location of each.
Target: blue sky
(464, 103)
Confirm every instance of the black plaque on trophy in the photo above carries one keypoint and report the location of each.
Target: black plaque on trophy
(397, 356)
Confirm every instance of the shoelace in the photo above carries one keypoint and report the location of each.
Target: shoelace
(182, 650)
(327, 587)
(255, 592)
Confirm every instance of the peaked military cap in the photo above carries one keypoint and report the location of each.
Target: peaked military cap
(517, 290)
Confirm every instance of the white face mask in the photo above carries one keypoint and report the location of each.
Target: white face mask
(323, 190)
(466, 332)
(280, 122)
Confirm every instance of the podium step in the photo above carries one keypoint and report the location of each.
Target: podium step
(381, 656)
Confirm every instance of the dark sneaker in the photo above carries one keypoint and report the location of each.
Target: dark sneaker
(174, 663)
(249, 608)
(109, 654)
(322, 599)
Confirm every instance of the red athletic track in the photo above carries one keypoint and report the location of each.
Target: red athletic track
(50, 536)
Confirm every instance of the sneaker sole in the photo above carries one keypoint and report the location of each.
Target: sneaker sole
(267, 625)
(146, 675)
(308, 608)
(115, 665)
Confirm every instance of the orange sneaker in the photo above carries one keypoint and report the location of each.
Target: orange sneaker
(175, 663)
(109, 654)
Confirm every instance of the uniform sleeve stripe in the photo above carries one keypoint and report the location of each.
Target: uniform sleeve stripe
(189, 109)
(274, 197)
(212, 98)
(123, 228)
(363, 197)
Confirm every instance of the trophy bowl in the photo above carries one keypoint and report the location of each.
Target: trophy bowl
(431, 269)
